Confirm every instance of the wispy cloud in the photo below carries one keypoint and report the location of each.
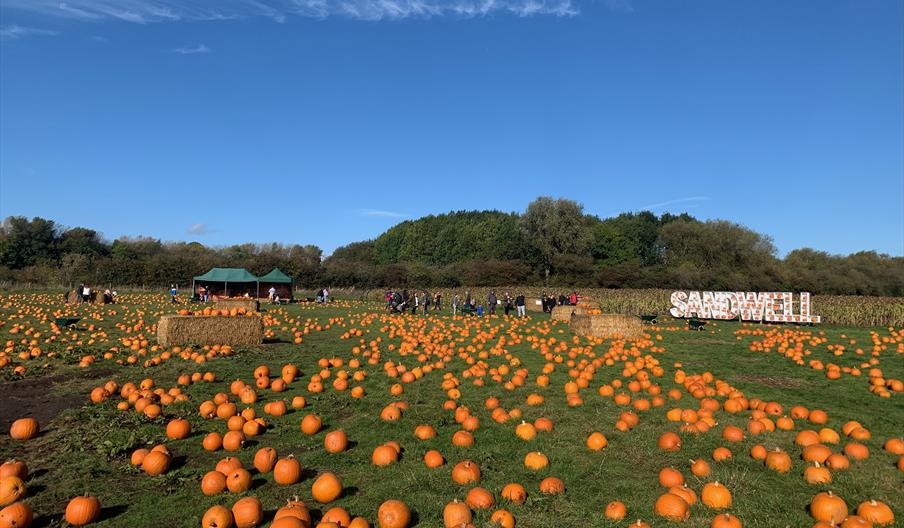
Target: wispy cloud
(198, 229)
(148, 11)
(380, 213)
(16, 32)
(200, 48)
(693, 200)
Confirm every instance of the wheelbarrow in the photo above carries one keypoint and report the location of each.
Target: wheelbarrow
(64, 322)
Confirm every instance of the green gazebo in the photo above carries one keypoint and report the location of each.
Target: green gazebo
(278, 280)
(228, 282)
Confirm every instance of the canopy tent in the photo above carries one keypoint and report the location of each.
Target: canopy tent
(278, 280)
(228, 282)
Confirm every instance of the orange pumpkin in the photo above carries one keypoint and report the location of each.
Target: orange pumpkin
(616, 511)
(514, 492)
(552, 486)
(828, 508)
(24, 429)
(12, 488)
(433, 459)
(393, 514)
(248, 512)
(480, 498)
(456, 514)
(16, 515)
(716, 496)
(178, 429)
(671, 507)
(287, 471)
(311, 424)
(82, 510)
(238, 480)
(465, 472)
(326, 488)
(264, 459)
(335, 441)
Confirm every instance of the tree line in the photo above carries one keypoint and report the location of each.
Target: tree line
(553, 242)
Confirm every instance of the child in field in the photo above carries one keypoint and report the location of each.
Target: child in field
(173, 291)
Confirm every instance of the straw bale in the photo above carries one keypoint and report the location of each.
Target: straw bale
(250, 305)
(563, 312)
(210, 330)
(533, 305)
(607, 325)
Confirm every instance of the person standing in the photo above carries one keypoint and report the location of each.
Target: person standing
(79, 292)
(417, 303)
(491, 302)
(86, 294)
(455, 301)
(437, 301)
(272, 292)
(468, 299)
(173, 291)
(507, 303)
(519, 304)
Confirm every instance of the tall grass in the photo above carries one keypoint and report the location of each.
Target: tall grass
(839, 310)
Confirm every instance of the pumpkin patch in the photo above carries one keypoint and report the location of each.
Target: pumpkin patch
(352, 417)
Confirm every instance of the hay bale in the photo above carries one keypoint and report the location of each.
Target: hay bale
(72, 297)
(533, 305)
(250, 305)
(563, 312)
(607, 325)
(210, 330)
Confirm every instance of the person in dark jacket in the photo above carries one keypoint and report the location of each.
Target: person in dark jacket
(519, 305)
(507, 303)
(491, 302)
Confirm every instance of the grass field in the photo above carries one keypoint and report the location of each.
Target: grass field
(85, 447)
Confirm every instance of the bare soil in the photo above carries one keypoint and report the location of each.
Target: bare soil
(37, 397)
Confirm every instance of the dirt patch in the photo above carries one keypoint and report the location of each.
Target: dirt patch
(36, 397)
(773, 381)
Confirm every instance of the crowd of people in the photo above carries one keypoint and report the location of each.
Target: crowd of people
(551, 301)
(403, 301)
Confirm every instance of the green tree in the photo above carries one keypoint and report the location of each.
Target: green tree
(28, 242)
(554, 227)
(82, 241)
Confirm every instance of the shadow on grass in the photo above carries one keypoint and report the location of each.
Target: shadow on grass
(106, 513)
(177, 462)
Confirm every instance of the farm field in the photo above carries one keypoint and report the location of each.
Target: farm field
(732, 393)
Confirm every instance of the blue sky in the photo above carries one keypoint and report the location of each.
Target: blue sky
(334, 120)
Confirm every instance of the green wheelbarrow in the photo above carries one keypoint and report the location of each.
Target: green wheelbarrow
(696, 324)
(64, 322)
